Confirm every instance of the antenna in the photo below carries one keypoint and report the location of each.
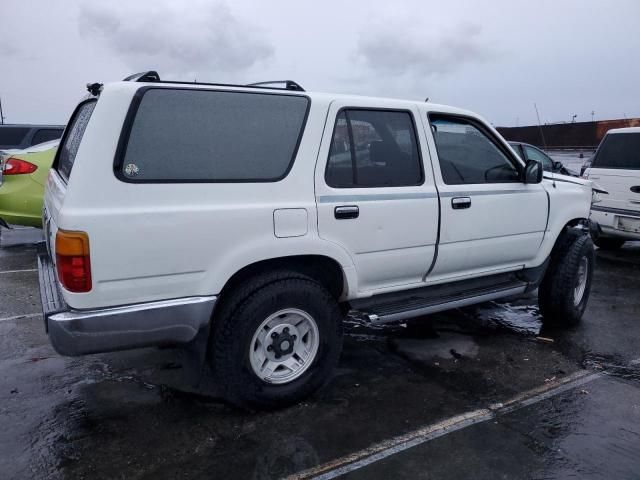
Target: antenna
(544, 143)
(1, 114)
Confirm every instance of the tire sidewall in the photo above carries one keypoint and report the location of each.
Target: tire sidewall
(587, 251)
(557, 294)
(306, 296)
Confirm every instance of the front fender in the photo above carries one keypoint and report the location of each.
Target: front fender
(569, 203)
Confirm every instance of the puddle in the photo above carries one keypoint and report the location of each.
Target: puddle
(522, 319)
(448, 346)
(611, 366)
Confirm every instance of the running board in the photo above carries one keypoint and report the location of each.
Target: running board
(417, 305)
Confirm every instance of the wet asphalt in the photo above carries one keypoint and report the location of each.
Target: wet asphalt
(133, 414)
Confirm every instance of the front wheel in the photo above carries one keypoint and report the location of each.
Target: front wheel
(279, 345)
(564, 291)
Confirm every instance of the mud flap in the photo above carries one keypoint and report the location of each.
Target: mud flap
(194, 356)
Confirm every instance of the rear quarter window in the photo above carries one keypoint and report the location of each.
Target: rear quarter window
(187, 135)
(619, 150)
(68, 149)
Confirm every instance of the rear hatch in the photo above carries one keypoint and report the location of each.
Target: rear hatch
(60, 172)
(616, 168)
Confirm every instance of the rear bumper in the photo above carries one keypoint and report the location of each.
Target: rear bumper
(79, 332)
(606, 221)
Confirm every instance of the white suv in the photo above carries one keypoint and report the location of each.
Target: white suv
(616, 168)
(245, 221)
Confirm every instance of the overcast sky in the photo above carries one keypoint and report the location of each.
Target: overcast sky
(494, 57)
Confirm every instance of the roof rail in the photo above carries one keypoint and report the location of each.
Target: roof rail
(149, 76)
(288, 84)
(153, 76)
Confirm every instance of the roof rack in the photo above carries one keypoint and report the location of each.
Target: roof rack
(288, 84)
(153, 76)
(149, 76)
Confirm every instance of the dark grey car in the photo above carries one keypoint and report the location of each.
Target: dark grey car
(23, 136)
(530, 152)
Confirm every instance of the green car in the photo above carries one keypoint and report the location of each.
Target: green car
(23, 175)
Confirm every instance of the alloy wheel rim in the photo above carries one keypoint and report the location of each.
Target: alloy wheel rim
(284, 346)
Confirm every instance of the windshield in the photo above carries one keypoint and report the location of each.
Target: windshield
(619, 150)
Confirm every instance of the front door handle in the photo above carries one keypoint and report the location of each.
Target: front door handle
(346, 212)
(459, 203)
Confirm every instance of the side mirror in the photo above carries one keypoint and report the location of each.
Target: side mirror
(533, 172)
(557, 165)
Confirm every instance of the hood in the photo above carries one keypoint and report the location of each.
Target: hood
(575, 180)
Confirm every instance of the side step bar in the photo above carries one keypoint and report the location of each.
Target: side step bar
(416, 305)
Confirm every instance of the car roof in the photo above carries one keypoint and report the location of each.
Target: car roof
(318, 96)
(522, 143)
(624, 130)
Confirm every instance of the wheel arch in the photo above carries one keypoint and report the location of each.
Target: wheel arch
(324, 269)
(554, 235)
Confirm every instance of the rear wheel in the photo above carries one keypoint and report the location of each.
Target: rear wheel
(279, 344)
(608, 243)
(564, 291)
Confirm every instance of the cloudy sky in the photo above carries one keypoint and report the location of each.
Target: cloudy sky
(495, 57)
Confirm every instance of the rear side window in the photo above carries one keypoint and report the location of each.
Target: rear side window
(45, 135)
(373, 148)
(181, 135)
(12, 135)
(619, 150)
(69, 147)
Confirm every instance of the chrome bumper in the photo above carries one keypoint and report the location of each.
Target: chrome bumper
(605, 221)
(79, 332)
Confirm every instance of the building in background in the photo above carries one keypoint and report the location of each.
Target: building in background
(570, 136)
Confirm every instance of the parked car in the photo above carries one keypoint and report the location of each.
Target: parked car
(530, 152)
(19, 137)
(241, 231)
(616, 168)
(22, 178)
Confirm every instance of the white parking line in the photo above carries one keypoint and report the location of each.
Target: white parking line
(19, 271)
(387, 448)
(18, 317)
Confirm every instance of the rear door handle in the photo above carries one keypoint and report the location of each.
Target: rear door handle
(346, 212)
(459, 203)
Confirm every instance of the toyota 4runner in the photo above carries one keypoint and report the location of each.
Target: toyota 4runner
(246, 221)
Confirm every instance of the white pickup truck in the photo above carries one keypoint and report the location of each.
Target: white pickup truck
(249, 219)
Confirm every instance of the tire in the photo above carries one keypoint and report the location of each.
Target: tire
(235, 345)
(608, 243)
(561, 303)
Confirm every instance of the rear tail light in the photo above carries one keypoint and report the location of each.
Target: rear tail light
(15, 166)
(72, 260)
